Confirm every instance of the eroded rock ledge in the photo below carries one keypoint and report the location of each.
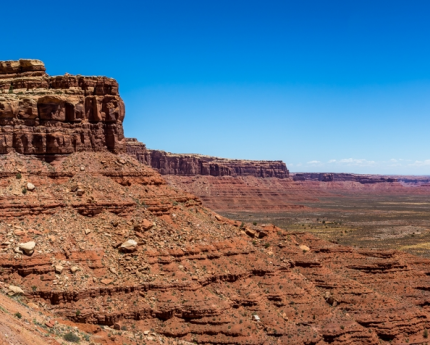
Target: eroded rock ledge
(194, 164)
(45, 115)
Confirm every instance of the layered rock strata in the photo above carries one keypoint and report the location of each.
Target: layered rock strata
(190, 274)
(194, 164)
(342, 177)
(44, 115)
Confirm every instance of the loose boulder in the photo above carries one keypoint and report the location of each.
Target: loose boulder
(27, 248)
(15, 290)
(304, 248)
(128, 246)
(144, 225)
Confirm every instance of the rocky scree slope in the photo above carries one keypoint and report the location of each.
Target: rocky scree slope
(101, 240)
(45, 115)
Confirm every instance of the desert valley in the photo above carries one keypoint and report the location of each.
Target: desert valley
(104, 241)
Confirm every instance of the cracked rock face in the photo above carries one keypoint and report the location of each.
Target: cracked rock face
(45, 115)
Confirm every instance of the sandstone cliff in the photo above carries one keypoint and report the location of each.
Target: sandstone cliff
(342, 177)
(194, 164)
(45, 115)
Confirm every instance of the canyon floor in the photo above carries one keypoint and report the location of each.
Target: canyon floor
(365, 220)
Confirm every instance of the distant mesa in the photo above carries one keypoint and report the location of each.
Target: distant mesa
(194, 164)
(45, 115)
(342, 177)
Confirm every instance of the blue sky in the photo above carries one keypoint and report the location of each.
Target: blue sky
(338, 86)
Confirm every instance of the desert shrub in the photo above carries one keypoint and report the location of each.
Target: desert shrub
(18, 315)
(73, 338)
(18, 176)
(255, 223)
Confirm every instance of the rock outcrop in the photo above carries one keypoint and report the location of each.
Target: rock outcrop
(44, 115)
(194, 164)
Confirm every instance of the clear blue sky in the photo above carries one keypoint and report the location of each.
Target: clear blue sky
(323, 85)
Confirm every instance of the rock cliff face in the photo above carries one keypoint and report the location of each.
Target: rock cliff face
(341, 177)
(45, 115)
(193, 164)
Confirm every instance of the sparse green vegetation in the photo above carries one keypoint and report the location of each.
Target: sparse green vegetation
(367, 220)
(71, 337)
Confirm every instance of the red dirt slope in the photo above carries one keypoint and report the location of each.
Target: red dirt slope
(116, 246)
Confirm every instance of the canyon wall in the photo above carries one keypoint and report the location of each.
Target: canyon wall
(342, 177)
(45, 115)
(259, 186)
(194, 164)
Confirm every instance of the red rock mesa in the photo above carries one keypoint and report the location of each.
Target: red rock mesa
(45, 115)
(99, 241)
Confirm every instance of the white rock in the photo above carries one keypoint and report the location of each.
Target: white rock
(58, 269)
(30, 186)
(129, 245)
(74, 269)
(15, 290)
(28, 247)
(256, 317)
(80, 192)
(304, 248)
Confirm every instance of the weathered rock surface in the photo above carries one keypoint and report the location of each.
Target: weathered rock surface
(262, 186)
(45, 115)
(193, 164)
(27, 248)
(194, 276)
(342, 177)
